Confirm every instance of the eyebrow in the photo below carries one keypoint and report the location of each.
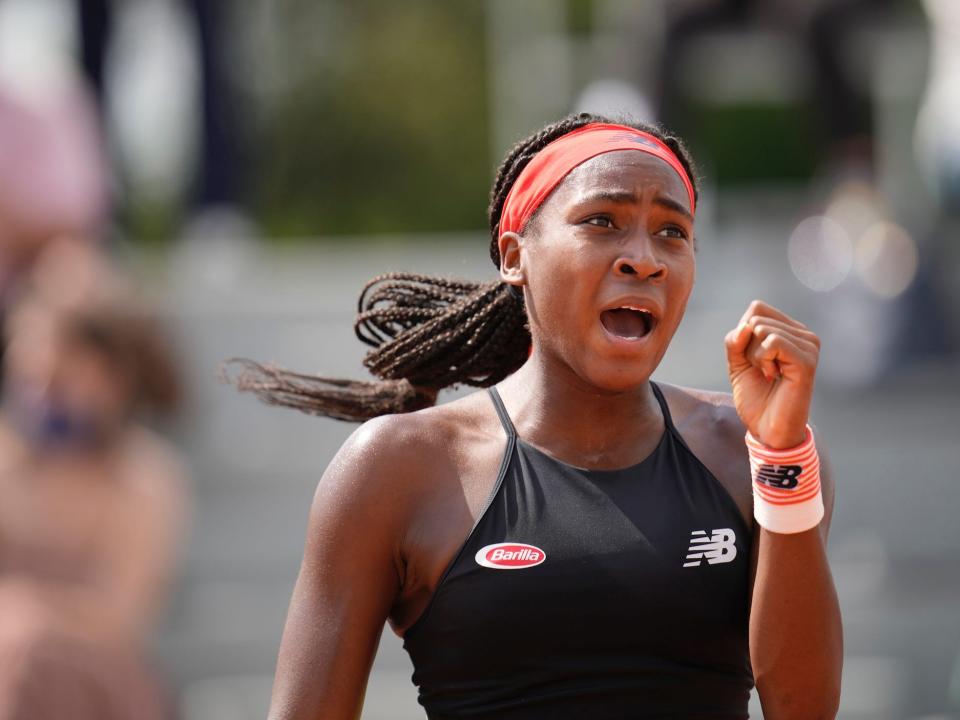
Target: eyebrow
(673, 205)
(629, 198)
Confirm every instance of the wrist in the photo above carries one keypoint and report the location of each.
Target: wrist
(782, 439)
(786, 485)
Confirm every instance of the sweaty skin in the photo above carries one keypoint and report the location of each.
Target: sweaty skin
(404, 491)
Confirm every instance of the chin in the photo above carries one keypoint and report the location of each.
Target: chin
(620, 373)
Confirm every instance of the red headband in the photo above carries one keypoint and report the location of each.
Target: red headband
(556, 160)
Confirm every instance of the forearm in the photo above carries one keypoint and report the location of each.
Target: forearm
(796, 639)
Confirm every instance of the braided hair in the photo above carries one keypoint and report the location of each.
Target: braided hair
(428, 333)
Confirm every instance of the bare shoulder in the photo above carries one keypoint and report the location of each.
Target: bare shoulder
(705, 411)
(405, 457)
(401, 447)
(709, 425)
(378, 463)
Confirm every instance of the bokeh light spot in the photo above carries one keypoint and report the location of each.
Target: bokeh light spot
(820, 253)
(886, 259)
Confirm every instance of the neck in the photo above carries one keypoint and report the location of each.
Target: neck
(559, 412)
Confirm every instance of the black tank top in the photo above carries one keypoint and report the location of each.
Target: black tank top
(592, 594)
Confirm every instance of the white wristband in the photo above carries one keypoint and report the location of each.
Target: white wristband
(786, 485)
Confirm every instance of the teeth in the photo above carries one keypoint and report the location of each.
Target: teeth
(635, 309)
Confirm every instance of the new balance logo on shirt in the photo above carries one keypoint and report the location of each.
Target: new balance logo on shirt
(717, 548)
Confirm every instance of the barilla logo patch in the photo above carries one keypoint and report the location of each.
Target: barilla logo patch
(510, 556)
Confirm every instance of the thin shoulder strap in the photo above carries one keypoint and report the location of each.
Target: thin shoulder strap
(502, 412)
(667, 419)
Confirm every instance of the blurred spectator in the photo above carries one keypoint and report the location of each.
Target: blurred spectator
(863, 248)
(52, 178)
(938, 127)
(94, 503)
(826, 29)
(219, 185)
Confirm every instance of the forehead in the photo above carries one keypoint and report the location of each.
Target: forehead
(630, 171)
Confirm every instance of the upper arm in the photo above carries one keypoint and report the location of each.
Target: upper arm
(348, 581)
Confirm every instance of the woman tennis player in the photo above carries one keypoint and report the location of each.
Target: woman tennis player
(577, 541)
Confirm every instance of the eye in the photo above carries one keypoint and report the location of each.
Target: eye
(604, 221)
(673, 231)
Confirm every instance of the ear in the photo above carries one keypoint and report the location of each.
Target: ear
(511, 259)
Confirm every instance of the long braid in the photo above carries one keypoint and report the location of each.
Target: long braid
(425, 333)
(428, 333)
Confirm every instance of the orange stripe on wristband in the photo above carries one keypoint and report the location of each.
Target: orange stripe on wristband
(813, 492)
(805, 453)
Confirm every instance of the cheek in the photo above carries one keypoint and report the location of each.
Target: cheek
(560, 282)
(684, 275)
(689, 276)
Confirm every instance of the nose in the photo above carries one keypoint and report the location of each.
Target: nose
(638, 258)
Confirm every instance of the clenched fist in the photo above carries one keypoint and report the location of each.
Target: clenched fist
(772, 361)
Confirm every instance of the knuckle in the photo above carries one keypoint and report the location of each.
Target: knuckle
(809, 359)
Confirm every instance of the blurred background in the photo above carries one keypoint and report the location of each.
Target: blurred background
(184, 181)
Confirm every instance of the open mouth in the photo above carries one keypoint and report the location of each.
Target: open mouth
(627, 323)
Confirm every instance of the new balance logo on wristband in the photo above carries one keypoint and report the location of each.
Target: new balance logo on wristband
(717, 548)
(785, 477)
